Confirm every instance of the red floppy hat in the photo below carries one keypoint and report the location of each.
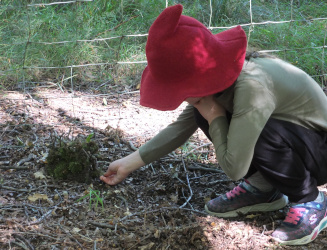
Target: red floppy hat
(186, 60)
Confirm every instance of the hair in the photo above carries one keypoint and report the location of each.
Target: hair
(256, 54)
(248, 56)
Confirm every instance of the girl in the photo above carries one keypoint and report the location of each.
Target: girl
(266, 119)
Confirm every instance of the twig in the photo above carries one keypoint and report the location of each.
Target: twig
(14, 189)
(71, 236)
(129, 144)
(194, 149)
(163, 219)
(28, 158)
(164, 229)
(116, 26)
(188, 184)
(25, 190)
(24, 240)
(38, 234)
(142, 240)
(205, 169)
(20, 245)
(102, 225)
(42, 218)
(124, 200)
(14, 167)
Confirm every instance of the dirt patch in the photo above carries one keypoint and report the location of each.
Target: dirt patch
(158, 207)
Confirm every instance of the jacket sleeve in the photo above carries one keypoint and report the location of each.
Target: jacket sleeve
(235, 142)
(170, 138)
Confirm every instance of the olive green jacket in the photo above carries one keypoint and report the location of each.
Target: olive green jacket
(265, 88)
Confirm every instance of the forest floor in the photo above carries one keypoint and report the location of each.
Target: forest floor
(160, 206)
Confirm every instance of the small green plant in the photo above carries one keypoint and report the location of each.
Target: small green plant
(94, 197)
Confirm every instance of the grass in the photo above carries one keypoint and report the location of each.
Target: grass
(94, 198)
(25, 30)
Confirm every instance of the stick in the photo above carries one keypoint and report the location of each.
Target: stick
(14, 167)
(102, 225)
(194, 149)
(14, 189)
(188, 184)
(205, 169)
(28, 158)
(42, 218)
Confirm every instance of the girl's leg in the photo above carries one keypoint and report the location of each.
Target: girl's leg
(292, 159)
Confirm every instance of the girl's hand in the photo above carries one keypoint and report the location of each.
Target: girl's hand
(209, 108)
(120, 169)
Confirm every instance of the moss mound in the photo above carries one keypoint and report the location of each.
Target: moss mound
(73, 160)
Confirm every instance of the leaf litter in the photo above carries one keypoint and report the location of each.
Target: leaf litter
(159, 206)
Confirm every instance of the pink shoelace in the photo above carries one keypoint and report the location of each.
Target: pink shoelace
(236, 191)
(294, 215)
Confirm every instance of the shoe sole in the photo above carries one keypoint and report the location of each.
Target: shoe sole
(262, 207)
(306, 239)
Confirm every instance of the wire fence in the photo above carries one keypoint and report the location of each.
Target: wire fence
(31, 71)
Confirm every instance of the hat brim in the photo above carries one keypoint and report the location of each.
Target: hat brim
(169, 95)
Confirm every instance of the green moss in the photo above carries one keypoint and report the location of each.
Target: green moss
(72, 160)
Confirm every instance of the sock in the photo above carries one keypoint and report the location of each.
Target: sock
(257, 181)
(320, 197)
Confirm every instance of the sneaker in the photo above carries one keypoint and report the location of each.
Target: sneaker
(303, 223)
(245, 198)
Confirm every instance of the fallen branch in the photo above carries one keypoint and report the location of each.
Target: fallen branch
(14, 189)
(14, 167)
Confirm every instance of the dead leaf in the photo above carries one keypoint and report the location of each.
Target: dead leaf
(39, 175)
(157, 234)
(65, 193)
(127, 213)
(146, 247)
(76, 230)
(127, 104)
(36, 197)
(174, 198)
(44, 157)
(251, 216)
